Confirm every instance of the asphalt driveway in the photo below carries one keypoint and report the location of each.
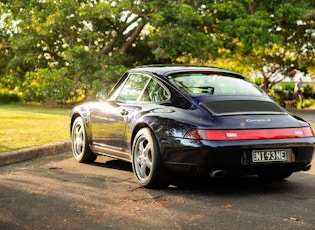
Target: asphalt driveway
(56, 192)
(306, 114)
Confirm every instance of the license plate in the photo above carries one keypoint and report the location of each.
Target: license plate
(269, 155)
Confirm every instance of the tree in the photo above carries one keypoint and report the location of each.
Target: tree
(93, 41)
(293, 26)
(272, 37)
(83, 36)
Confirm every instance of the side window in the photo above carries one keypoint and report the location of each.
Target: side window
(155, 92)
(132, 88)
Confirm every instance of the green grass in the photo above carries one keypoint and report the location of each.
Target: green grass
(27, 126)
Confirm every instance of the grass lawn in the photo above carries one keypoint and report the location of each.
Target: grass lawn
(27, 126)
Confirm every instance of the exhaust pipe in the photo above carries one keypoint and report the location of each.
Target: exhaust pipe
(217, 173)
(306, 167)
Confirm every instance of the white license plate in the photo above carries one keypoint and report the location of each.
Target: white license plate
(269, 155)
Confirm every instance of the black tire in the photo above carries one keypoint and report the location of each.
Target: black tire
(275, 176)
(147, 164)
(80, 146)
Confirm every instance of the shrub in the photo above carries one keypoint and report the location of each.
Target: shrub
(47, 85)
(308, 91)
(285, 92)
(7, 96)
(305, 103)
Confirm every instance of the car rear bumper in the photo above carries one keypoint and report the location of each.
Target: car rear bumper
(202, 157)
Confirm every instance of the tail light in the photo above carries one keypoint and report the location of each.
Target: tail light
(251, 134)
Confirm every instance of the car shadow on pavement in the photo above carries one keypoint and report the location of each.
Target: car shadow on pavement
(114, 164)
(231, 185)
(228, 185)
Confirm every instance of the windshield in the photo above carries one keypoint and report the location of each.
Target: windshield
(214, 84)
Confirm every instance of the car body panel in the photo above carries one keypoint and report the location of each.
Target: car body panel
(111, 124)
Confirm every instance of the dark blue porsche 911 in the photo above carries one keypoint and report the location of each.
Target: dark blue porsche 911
(191, 119)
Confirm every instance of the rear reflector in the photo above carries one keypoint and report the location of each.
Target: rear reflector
(252, 134)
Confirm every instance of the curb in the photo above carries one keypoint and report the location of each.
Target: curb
(16, 156)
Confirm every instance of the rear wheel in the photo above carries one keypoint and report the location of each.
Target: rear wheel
(80, 146)
(147, 164)
(275, 176)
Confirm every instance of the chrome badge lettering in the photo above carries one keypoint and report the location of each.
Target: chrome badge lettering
(258, 120)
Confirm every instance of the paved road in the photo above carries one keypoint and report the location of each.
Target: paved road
(306, 114)
(56, 192)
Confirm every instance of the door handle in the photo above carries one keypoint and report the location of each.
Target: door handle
(124, 112)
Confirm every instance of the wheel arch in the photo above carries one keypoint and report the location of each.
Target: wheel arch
(74, 116)
(136, 129)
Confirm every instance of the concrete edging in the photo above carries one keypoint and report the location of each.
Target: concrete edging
(11, 157)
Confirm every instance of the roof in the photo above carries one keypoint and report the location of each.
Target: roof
(166, 70)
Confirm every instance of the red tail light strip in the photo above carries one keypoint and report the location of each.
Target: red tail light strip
(252, 134)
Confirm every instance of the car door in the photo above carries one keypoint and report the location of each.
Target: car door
(110, 118)
(108, 126)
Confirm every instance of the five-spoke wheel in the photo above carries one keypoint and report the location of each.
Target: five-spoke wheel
(146, 160)
(80, 146)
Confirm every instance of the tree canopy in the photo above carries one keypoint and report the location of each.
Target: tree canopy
(63, 50)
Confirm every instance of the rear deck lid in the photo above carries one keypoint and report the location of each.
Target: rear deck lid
(244, 113)
(234, 106)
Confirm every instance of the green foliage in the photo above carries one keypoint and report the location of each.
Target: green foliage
(308, 89)
(107, 79)
(86, 44)
(49, 86)
(183, 31)
(300, 104)
(270, 36)
(278, 96)
(285, 90)
(7, 96)
(289, 86)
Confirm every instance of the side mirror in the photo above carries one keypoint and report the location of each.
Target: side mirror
(101, 96)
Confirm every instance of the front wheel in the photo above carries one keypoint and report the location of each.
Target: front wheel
(80, 146)
(147, 164)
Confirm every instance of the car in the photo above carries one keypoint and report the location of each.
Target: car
(167, 119)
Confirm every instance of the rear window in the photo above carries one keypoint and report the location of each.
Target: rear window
(197, 84)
